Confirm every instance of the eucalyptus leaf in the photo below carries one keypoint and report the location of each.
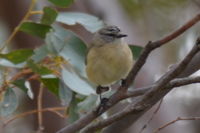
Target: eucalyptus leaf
(38, 68)
(73, 110)
(9, 103)
(52, 84)
(88, 104)
(35, 29)
(18, 56)
(77, 83)
(49, 15)
(48, 76)
(40, 53)
(65, 94)
(66, 44)
(91, 23)
(61, 3)
(20, 83)
(24, 86)
(136, 50)
(6, 63)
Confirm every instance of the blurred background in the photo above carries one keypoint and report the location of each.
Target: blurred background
(143, 21)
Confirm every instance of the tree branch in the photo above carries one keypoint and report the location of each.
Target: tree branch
(88, 118)
(151, 97)
(172, 84)
(193, 67)
(153, 45)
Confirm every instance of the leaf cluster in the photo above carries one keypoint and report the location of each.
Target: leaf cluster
(58, 64)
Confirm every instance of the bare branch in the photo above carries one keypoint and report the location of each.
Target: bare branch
(176, 120)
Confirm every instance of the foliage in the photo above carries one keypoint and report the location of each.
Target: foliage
(58, 64)
(36, 29)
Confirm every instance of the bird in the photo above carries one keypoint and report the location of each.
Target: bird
(109, 58)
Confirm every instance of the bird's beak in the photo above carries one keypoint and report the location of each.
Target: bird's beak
(121, 35)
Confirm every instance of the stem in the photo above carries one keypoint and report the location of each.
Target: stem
(39, 107)
(53, 110)
(32, 5)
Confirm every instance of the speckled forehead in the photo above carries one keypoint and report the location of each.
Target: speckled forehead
(109, 29)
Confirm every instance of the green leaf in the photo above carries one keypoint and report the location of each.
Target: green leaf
(87, 104)
(73, 110)
(18, 56)
(91, 23)
(20, 83)
(65, 94)
(9, 103)
(62, 3)
(136, 50)
(40, 53)
(24, 86)
(77, 83)
(37, 68)
(52, 84)
(66, 44)
(36, 29)
(49, 16)
(6, 63)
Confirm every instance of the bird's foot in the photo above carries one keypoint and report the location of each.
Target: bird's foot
(123, 82)
(102, 106)
(103, 101)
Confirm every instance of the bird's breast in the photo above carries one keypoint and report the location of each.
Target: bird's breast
(108, 63)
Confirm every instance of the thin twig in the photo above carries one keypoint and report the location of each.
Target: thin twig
(174, 121)
(36, 12)
(39, 107)
(15, 77)
(88, 118)
(152, 116)
(32, 5)
(53, 110)
(34, 77)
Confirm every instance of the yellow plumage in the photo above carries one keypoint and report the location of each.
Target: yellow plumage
(108, 63)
